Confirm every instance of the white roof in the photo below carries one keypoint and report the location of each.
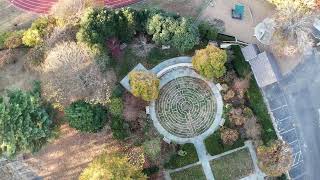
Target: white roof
(250, 52)
(264, 69)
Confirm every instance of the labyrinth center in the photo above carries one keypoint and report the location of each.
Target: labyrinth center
(186, 107)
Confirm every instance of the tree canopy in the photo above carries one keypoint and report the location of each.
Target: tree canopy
(25, 124)
(209, 62)
(275, 159)
(86, 117)
(112, 166)
(144, 85)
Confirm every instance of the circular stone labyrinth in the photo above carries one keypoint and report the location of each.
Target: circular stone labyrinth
(186, 107)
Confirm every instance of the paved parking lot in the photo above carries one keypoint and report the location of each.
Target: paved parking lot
(295, 103)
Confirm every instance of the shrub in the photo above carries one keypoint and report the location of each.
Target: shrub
(36, 55)
(31, 37)
(98, 25)
(104, 62)
(215, 145)
(209, 62)
(162, 28)
(144, 85)
(186, 35)
(118, 129)
(116, 107)
(240, 65)
(38, 30)
(14, 40)
(118, 91)
(86, 117)
(275, 159)
(229, 136)
(152, 148)
(177, 161)
(111, 166)
(165, 29)
(261, 111)
(207, 32)
(151, 170)
(24, 123)
(3, 38)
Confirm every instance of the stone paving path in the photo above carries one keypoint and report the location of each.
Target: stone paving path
(202, 154)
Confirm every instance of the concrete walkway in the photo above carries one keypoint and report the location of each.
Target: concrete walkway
(202, 154)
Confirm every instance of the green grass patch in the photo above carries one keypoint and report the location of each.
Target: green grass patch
(261, 111)
(177, 161)
(215, 145)
(193, 173)
(233, 166)
(240, 65)
(157, 55)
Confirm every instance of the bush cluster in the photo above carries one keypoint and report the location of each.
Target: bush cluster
(25, 124)
(117, 120)
(38, 30)
(207, 31)
(99, 25)
(86, 117)
(10, 40)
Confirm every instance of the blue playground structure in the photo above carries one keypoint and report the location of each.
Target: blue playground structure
(238, 11)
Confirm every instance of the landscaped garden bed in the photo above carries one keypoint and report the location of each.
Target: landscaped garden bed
(236, 165)
(192, 173)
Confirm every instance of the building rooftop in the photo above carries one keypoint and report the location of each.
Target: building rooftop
(265, 69)
(250, 52)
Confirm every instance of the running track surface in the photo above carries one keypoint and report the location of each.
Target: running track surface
(44, 6)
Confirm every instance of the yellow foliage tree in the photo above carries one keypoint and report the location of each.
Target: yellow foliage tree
(275, 159)
(209, 62)
(144, 85)
(112, 167)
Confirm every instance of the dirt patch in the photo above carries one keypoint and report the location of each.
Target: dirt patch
(66, 157)
(14, 75)
(183, 7)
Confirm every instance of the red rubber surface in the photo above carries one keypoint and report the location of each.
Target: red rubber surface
(44, 6)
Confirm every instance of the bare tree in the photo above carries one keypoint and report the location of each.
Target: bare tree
(293, 33)
(70, 73)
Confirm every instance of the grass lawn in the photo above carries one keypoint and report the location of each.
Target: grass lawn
(177, 161)
(215, 146)
(193, 173)
(233, 166)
